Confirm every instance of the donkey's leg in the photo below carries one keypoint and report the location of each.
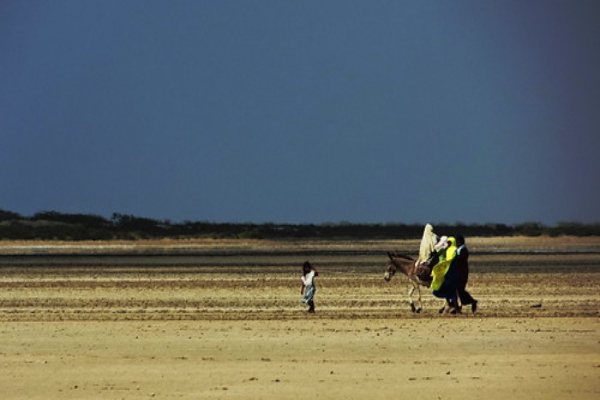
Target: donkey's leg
(420, 301)
(443, 307)
(410, 293)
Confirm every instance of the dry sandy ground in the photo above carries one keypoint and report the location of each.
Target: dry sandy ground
(223, 321)
(479, 358)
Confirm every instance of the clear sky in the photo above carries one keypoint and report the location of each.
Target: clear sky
(312, 111)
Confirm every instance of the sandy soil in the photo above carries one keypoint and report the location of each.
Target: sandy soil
(215, 320)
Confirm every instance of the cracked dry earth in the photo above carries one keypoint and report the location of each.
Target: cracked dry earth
(222, 320)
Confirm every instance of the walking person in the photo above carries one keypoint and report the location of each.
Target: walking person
(462, 263)
(445, 278)
(309, 273)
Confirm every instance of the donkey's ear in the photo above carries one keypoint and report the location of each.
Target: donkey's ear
(390, 255)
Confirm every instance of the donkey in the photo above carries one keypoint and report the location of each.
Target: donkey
(418, 275)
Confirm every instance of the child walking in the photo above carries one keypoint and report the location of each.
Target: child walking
(309, 273)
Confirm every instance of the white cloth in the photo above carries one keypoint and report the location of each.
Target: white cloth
(307, 279)
(427, 244)
(443, 243)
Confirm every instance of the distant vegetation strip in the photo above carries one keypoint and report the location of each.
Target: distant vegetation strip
(50, 225)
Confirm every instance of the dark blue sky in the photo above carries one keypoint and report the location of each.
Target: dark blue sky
(302, 112)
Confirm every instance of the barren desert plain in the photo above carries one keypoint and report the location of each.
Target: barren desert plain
(222, 319)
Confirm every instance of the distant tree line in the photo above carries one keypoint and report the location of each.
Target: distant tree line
(50, 225)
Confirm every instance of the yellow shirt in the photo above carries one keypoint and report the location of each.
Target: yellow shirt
(438, 272)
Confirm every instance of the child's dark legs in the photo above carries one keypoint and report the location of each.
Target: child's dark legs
(311, 304)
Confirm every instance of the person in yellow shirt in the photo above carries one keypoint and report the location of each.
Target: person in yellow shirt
(445, 277)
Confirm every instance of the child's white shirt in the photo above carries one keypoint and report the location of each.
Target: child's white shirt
(308, 278)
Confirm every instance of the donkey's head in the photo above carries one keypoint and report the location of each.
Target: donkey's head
(390, 269)
(399, 262)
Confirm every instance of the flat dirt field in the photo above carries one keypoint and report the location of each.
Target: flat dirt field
(208, 319)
